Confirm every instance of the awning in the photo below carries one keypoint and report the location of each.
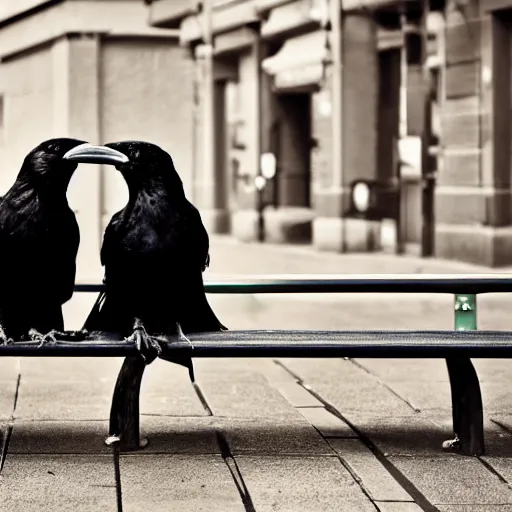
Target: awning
(170, 13)
(300, 61)
(292, 16)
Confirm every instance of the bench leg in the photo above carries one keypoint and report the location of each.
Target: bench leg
(124, 412)
(467, 410)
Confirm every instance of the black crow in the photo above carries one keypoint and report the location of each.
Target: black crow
(154, 252)
(39, 239)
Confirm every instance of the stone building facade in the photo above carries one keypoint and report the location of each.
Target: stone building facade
(343, 90)
(78, 68)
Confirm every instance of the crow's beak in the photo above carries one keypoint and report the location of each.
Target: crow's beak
(90, 154)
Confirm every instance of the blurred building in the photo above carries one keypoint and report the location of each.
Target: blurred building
(90, 69)
(341, 90)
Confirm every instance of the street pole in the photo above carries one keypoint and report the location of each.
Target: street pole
(260, 199)
(335, 14)
(337, 91)
(209, 161)
(428, 184)
(402, 133)
(402, 130)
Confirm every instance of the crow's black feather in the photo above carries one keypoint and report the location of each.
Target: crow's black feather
(39, 239)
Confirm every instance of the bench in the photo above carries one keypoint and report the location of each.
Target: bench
(456, 346)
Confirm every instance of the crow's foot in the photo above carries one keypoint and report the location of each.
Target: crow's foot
(43, 339)
(4, 339)
(55, 335)
(148, 347)
(80, 335)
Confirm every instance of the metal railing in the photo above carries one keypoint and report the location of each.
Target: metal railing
(464, 287)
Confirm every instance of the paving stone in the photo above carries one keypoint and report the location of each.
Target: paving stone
(7, 397)
(365, 396)
(493, 370)
(67, 400)
(275, 436)
(9, 368)
(498, 441)
(326, 423)
(4, 436)
(502, 465)
(242, 399)
(176, 483)
(297, 395)
(259, 370)
(410, 435)
(325, 370)
(180, 435)
(398, 507)
(454, 480)
(348, 387)
(71, 368)
(496, 397)
(62, 437)
(423, 395)
(58, 482)
(296, 484)
(166, 390)
(392, 370)
(379, 484)
(166, 435)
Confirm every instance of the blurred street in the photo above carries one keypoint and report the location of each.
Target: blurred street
(287, 435)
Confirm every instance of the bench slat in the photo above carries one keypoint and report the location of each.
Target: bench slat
(285, 343)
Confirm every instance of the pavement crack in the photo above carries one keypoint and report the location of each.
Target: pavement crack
(400, 478)
(16, 395)
(291, 372)
(503, 426)
(117, 474)
(355, 476)
(489, 468)
(5, 438)
(202, 399)
(230, 462)
(5, 435)
(382, 383)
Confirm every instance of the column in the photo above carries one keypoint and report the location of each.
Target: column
(473, 195)
(76, 108)
(244, 220)
(354, 97)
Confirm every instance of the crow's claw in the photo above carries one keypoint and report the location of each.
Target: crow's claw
(4, 339)
(148, 346)
(48, 338)
(80, 335)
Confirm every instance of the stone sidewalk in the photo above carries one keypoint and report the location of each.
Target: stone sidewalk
(265, 435)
